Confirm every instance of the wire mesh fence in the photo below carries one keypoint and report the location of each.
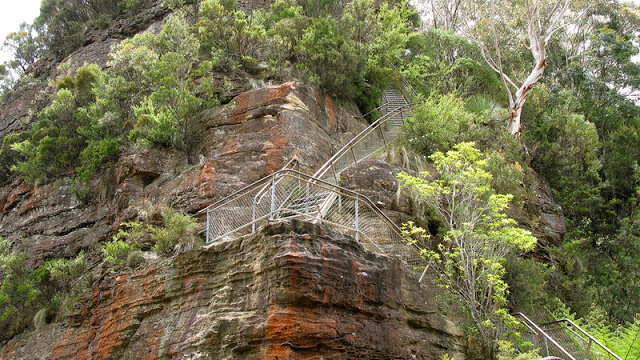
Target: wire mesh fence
(289, 194)
(564, 339)
(379, 134)
(577, 341)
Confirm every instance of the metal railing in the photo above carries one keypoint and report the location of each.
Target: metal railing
(406, 85)
(290, 194)
(573, 337)
(373, 138)
(540, 339)
(564, 339)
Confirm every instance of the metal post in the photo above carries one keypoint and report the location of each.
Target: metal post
(307, 201)
(355, 160)
(208, 227)
(589, 348)
(546, 346)
(357, 222)
(384, 140)
(253, 217)
(273, 197)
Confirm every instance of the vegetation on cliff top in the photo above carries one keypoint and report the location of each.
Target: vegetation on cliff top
(580, 131)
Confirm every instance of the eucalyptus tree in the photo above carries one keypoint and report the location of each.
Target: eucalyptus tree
(504, 28)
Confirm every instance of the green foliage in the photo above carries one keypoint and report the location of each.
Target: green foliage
(54, 144)
(527, 279)
(179, 233)
(230, 35)
(507, 351)
(330, 59)
(8, 156)
(23, 46)
(54, 287)
(19, 292)
(287, 26)
(445, 62)
(62, 25)
(97, 153)
(566, 153)
(439, 122)
(179, 229)
(623, 340)
(125, 243)
(320, 8)
(71, 279)
(162, 66)
(479, 236)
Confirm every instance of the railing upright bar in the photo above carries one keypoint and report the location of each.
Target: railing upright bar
(384, 139)
(208, 227)
(273, 197)
(357, 221)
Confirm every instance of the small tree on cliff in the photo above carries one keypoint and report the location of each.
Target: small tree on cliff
(478, 237)
(502, 26)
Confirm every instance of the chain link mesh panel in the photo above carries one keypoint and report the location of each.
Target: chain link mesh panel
(289, 194)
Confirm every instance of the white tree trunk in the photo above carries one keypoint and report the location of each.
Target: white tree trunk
(515, 122)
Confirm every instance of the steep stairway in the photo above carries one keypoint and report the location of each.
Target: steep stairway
(290, 194)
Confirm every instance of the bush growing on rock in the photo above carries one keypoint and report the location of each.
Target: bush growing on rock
(40, 294)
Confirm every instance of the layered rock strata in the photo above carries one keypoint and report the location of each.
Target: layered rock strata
(234, 145)
(292, 291)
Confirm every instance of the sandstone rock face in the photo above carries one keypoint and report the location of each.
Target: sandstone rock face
(293, 291)
(378, 181)
(253, 136)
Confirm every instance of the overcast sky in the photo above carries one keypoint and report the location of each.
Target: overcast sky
(15, 12)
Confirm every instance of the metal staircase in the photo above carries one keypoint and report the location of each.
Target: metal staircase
(290, 194)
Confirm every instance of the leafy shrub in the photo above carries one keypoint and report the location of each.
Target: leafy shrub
(445, 62)
(478, 238)
(229, 34)
(437, 125)
(565, 152)
(179, 230)
(330, 59)
(125, 242)
(71, 279)
(98, 153)
(54, 288)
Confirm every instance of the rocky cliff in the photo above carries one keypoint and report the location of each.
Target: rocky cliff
(252, 136)
(293, 291)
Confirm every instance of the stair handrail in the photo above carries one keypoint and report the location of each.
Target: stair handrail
(315, 182)
(536, 329)
(356, 139)
(228, 198)
(268, 179)
(591, 338)
(404, 80)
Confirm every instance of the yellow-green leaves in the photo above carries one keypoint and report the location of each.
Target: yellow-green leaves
(478, 237)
